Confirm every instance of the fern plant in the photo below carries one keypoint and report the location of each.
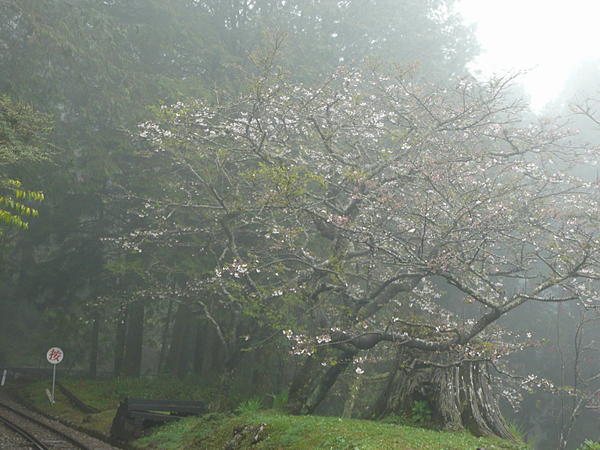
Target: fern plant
(421, 412)
(590, 445)
(250, 406)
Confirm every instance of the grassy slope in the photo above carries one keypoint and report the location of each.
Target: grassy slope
(314, 432)
(214, 432)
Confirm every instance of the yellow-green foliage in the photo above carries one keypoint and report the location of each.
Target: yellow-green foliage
(284, 183)
(22, 141)
(11, 210)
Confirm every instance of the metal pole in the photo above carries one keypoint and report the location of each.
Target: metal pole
(53, 381)
(4, 377)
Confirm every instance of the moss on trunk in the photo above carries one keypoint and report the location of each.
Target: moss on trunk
(458, 396)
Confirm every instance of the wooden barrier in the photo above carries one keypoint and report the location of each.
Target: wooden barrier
(134, 415)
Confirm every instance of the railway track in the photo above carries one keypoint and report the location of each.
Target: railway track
(30, 440)
(22, 430)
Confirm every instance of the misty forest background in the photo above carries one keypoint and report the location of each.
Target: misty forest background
(313, 198)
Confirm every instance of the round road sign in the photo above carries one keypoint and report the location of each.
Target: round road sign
(54, 355)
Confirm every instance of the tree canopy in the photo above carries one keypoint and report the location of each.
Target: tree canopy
(339, 214)
(22, 141)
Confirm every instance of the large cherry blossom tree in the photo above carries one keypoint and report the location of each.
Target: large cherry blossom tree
(339, 213)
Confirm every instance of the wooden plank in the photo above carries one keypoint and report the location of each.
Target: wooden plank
(74, 400)
(143, 404)
(134, 415)
(154, 416)
(122, 428)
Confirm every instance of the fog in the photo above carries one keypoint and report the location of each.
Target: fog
(360, 205)
(547, 40)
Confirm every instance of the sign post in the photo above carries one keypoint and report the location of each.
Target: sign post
(54, 356)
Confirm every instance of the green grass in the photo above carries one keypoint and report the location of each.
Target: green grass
(215, 431)
(313, 432)
(522, 435)
(106, 394)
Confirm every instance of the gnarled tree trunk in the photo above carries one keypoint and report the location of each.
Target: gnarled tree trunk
(311, 384)
(304, 380)
(458, 396)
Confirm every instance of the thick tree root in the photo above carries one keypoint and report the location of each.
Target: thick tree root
(459, 397)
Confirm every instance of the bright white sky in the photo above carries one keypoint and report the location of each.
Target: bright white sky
(545, 37)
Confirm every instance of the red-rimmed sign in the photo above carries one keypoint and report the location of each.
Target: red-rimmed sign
(55, 355)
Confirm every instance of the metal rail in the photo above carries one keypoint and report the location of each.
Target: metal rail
(25, 434)
(63, 435)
